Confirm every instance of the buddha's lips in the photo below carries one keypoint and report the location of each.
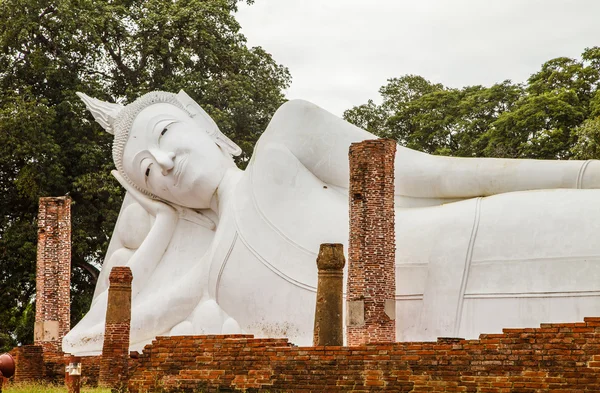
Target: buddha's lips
(179, 167)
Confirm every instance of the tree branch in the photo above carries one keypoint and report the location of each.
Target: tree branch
(116, 58)
(91, 270)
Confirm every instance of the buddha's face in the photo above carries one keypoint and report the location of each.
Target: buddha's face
(171, 156)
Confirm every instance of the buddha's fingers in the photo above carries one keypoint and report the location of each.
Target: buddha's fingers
(152, 206)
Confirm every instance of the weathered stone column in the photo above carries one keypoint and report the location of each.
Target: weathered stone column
(53, 273)
(371, 256)
(329, 326)
(115, 351)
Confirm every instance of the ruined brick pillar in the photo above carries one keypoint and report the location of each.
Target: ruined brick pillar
(329, 327)
(371, 255)
(53, 273)
(115, 351)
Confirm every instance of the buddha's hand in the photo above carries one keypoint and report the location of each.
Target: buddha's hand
(152, 206)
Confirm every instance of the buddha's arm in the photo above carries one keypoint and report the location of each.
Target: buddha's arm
(149, 254)
(320, 141)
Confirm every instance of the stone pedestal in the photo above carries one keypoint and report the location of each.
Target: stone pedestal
(115, 351)
(329, 327)
(53, 273)
(371, 255)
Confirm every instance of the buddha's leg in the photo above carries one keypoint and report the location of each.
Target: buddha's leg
(511, 260)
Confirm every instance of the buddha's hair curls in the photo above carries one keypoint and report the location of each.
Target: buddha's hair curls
(118, 120)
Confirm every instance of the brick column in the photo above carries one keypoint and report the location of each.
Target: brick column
(53, 274)
(329, 328)
(115, 351)
(371, 256)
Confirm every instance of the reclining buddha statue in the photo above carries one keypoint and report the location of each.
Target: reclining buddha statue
(481, 243)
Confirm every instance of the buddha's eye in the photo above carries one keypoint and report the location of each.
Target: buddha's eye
(163, 131)
(147, 171)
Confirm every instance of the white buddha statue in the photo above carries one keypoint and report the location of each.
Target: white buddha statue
(481, 243)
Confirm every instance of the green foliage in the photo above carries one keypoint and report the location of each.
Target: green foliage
(553, 116)
(587, 136)
(49, 146)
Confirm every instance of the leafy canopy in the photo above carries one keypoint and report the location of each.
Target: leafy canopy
(114, 50)
(555, 115)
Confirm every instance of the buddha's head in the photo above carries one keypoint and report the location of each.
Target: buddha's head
(167, 147)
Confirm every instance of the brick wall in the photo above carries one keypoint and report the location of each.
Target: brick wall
(90, 369)
(32, 364)
(554, 358)
(55, 370)
(54, 367)
(29, 363)
(115, 350)
(53, 273)
(371, 254)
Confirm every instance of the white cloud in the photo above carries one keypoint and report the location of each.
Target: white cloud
(341, 51)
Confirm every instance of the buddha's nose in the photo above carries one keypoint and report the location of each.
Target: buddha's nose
(164, 160)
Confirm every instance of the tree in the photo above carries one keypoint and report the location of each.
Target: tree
(369, 116)
(435, 119)
(552, 116)
(587, 135)
(557, 99)
(538, 126)
(587, 146)
(49, 145)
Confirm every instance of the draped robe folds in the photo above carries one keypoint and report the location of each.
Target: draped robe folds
(481, 244)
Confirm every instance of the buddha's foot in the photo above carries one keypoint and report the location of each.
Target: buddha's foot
(207, 318)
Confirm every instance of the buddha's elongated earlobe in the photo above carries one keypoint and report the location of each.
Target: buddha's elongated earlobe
(104, 113)
(213, 130)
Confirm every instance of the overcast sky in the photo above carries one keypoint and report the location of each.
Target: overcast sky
(340, 52)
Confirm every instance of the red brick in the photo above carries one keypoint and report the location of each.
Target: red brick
(53, 273)
(371, 252)
(114, 365)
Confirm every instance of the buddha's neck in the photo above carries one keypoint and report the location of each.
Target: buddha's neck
(210, 217)
(221, 195)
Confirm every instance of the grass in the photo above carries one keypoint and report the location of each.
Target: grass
(46, 388)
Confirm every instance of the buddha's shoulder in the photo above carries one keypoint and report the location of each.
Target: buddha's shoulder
(304, 137)
(297, 108)
(299, 118)
(273, 162)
